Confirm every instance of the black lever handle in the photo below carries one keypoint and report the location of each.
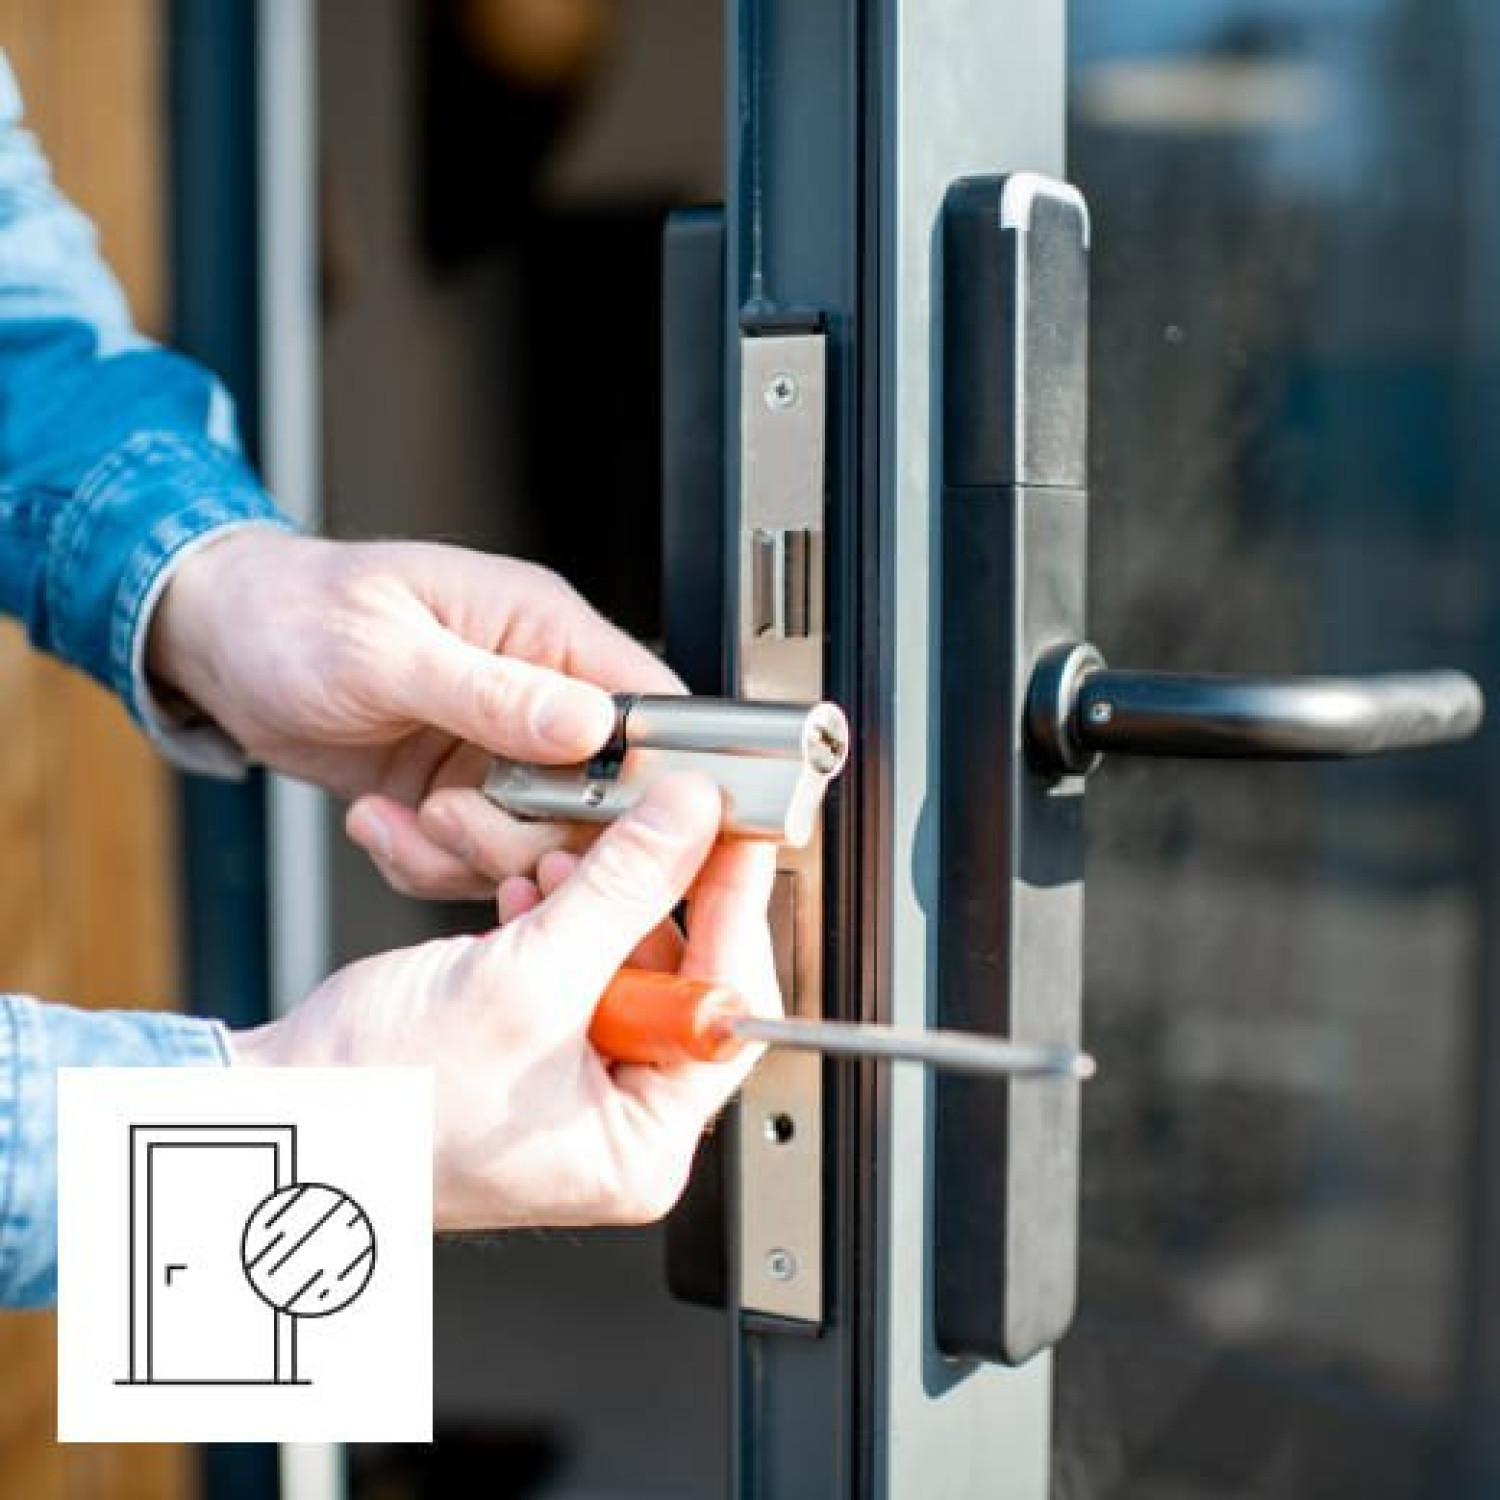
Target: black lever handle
(1009, 919)
(1078, 709)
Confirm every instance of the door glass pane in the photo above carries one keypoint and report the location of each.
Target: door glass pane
(1297, 258)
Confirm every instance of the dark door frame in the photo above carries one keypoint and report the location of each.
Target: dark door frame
(845, 123)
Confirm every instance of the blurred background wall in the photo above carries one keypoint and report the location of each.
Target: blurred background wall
(87, 893)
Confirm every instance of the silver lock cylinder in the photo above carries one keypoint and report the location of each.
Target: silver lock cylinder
(771, 761)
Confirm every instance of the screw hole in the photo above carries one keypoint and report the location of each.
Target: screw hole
(779, 1129)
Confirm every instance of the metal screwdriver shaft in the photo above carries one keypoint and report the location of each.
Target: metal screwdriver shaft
(952, 1051)
(662, 1019)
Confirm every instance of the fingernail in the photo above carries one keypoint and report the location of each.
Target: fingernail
(372, 831)
(510, 895)
(576, 719)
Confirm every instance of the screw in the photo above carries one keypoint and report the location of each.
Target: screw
(781, 391)
(781, 1265)
(593, 794)
(1101, 713)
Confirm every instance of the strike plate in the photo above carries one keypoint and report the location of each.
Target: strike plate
(780, 656)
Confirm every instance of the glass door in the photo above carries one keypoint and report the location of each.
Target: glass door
(1288, 1254)
(1289, 1220)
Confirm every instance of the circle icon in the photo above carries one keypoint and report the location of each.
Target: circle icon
(308, 1249)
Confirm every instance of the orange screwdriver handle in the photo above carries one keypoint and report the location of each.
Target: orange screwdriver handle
(646, 1017)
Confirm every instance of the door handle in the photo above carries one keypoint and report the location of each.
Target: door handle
(1078, 709)
(1026, 708)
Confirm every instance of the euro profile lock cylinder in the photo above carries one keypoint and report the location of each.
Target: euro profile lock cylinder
(772, 763)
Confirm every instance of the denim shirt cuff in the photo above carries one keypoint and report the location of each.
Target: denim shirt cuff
(192, 743)
(35, 1041)
(130, 518)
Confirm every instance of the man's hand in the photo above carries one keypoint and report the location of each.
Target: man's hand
(533, 1127)
(386, 672)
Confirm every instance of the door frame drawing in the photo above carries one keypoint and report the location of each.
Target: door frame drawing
(145, 1141)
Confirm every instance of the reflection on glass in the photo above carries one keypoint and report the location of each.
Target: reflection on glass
(1295, 237)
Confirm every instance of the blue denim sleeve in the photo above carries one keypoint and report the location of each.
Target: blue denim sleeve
(35, 1041)
(115, 455)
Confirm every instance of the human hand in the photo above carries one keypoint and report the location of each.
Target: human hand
(532, 1126)
(388, 672)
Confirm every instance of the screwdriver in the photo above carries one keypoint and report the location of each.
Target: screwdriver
(649, 1017)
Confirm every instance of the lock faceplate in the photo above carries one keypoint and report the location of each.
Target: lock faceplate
(779, 655)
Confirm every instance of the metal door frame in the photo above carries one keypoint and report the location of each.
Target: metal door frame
(845, 125)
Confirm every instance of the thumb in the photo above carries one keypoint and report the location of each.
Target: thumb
(506, 706)
(623, 889)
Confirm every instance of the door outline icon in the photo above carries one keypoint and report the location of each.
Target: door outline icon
(148, 1279)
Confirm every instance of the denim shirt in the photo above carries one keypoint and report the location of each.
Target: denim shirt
(117, 460)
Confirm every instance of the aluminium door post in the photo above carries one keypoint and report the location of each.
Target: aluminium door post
(845, 124)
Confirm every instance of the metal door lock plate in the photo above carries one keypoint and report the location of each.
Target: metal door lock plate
(779, 655)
